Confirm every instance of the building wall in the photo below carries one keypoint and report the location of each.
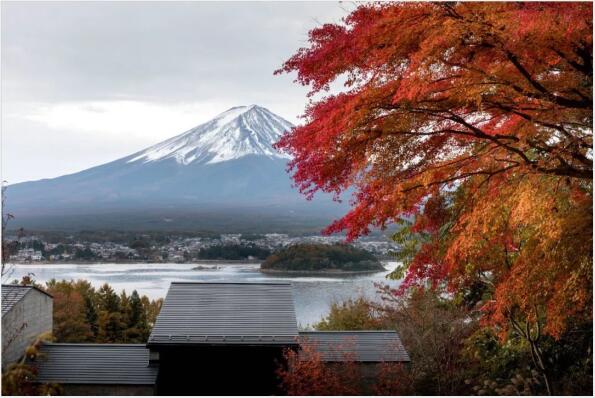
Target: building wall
(219, 370)
(27, 319)
(107, 389)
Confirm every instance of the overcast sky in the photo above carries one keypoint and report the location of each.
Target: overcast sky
(86, 83)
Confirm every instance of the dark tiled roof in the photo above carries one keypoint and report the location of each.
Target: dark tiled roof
(226, 313)
(95, 364)
(360, 346)
(12, 294)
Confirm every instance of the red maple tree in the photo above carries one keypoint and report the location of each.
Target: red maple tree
(473, 119)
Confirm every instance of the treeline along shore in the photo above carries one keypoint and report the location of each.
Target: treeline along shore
(162, 248)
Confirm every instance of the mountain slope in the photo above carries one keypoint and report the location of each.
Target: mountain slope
(218, 167)
(237, 132)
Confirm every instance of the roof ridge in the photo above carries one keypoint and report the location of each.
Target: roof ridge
(229, 283)
(349, 331)
(27, 287)
(14, 285)
(49, 343)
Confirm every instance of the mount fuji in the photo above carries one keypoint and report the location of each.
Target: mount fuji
(224, 174)
(235, 133)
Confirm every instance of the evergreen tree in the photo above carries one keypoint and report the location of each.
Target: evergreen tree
(111, 327)
(108, 299)
(138, 330)
(91, 315)
(136, 309)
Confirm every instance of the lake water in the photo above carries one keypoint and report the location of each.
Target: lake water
(313, 295)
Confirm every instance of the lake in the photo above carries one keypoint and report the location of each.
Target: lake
(313, 295)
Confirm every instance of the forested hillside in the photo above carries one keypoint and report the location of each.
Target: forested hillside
(321, 257)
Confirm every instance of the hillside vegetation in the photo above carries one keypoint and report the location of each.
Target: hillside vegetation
(233, 252)
(308, 257)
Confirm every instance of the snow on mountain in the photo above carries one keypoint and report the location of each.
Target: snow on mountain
(237, 132)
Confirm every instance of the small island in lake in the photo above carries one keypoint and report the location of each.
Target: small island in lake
(237, 252)
(204, 268)
(321, 258)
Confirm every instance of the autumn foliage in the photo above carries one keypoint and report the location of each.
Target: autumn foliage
(20, 378)
(474, 120)
(84, 314)
(307, 374)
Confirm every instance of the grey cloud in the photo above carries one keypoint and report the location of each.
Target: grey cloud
(151, 51)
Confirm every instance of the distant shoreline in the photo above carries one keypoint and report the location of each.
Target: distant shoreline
(47, 262)
(319, 272)
(135, 262)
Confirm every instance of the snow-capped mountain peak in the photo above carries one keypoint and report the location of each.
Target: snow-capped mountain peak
(237, 132)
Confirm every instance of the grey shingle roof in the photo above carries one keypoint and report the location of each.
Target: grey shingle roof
(361, 346)
(12, 294)
(95, 364)
(226, 313)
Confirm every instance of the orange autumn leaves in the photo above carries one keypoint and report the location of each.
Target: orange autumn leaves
(550, 274)
(478, 115)
(532, 245)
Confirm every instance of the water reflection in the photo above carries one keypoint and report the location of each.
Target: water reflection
(312, 295)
